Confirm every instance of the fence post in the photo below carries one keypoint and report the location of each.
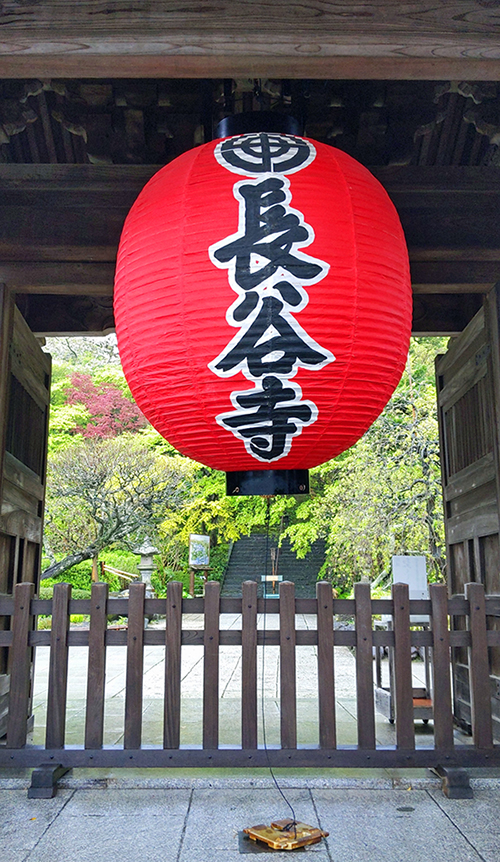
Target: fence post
(135, 666)
(20, 662)
(173, 640)
(58, 668)
(211, 666)
(288, 685)
(441, 679)
(405, 728)
(326, 677)
(249, 665)
(364, 667)
(96, 677)
(479, 676)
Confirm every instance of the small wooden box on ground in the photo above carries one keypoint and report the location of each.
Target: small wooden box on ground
(286, 834)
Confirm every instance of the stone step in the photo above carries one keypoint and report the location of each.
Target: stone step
(248, 562)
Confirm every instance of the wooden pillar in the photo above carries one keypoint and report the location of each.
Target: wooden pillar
(492, 315)
(6, 328)
(6, 550)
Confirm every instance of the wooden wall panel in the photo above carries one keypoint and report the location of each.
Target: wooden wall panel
(24, 407)
(6, 326)
(468, 379)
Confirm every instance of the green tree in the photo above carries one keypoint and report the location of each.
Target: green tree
(89, 393)
(106, 491)
(382, 496)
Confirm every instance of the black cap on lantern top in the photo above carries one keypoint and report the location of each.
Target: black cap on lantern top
(257, 121)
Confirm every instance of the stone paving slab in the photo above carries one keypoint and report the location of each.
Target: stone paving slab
(216, 817)
(198, 824)
(399, 825)
(23, 824)
(96, 825)
(479, 822)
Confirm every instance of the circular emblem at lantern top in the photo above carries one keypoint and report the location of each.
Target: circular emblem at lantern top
(262, 302)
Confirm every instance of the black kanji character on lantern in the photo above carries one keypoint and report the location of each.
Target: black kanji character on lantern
(268, 418)
(264, 153)
(290, 295)
(271, 231)
(280, 353)
(268, 270)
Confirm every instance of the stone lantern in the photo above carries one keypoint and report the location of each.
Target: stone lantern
(146, 564)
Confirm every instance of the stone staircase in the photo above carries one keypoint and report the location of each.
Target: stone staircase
(248, 563)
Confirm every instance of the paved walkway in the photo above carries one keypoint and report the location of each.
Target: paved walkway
(198, 815)
(198, 824)
(229, 688)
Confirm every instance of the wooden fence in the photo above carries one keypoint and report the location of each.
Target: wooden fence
(469, 628)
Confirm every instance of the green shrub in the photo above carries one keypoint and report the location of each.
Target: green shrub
(44, 623)
(45, 592)
(120, 559)
(80, 576)
(218, 561)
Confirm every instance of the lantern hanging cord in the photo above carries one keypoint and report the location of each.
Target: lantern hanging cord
(262, 697)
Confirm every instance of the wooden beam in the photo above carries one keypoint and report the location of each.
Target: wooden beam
(442, 270)
(120, 184)
(95, 279)
(444, 314)
(480, 287)
(86, 278)
(75, 213)
(319, 60)
(474, 253)
(62, 223)
(273, 38)
(50, 315)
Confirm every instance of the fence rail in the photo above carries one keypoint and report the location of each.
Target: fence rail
(467, 614)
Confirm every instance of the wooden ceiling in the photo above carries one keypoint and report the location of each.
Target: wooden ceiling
(127, 121)
(96, 96)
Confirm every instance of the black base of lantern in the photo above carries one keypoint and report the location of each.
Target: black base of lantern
(266, 483)
(257, 121)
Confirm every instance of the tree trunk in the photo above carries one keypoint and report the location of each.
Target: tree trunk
(71, 560)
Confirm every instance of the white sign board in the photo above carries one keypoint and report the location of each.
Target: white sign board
(412, 570)
(199, 551)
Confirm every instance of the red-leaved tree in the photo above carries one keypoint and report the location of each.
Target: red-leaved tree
(111, 412)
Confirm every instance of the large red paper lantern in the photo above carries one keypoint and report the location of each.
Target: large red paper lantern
(262, 302)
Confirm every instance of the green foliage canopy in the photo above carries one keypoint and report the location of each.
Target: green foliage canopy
(381, 497)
